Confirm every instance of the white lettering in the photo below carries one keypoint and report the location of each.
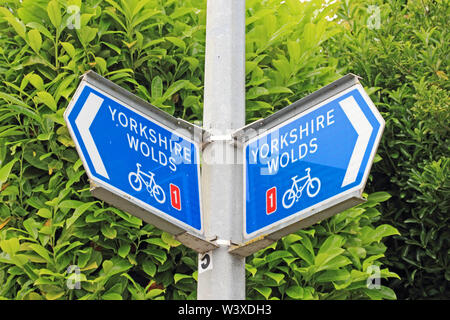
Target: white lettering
(113, 112)
(305, 130)
(272, 165)
(313, 146)
(302, 150)
(133, 125)
(261, 151)
(124, 121)
(133, 142)
(285, 156)
(329, 117)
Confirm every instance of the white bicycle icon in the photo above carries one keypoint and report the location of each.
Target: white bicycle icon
(137, 178)
(292, 195)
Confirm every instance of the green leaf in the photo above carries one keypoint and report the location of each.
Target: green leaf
(18, 26)
(78, 212)
(154, 293)
(158, 242)
(174, 88)
(5, 171)
(39, 27)
(177, 42)
(294, 51)
(179, 12)
(264, 291)
(333, 275)
(54, 294)
(36, 81)
(384, 230)
(387, 293)
(35, 40)
(44, 213)
(19, 106)
(303, 253)
(274, 90)
(86, 35)
(108, 231)
(329, 263)
(295, 292)
(169, 239)
(127, 217)
(379, 196)
(10, 246)
(124, 249)
(101, 63)
(54, 13)
(70, 204)
(380, 293)
(31, 226)
(179, 276)
(107, 266)
(149, 268)
(370, 261)
(278, 255)
(278, 277)
(47, 99)
(111, 296)
(119, 265)
(331, 244)
(251, 269)
(70, 49)
(256, 92)
(40, 250)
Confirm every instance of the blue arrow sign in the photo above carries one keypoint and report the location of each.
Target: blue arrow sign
(137, 157)
(309, 160)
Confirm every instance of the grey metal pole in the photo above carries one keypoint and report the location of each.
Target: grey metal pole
(222, 176)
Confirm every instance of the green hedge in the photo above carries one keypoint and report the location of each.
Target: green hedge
(406, 59)
(51, 228)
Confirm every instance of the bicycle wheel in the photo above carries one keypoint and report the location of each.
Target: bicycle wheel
(288, 198)
(313, 187)
(134, 181)
(159, 194)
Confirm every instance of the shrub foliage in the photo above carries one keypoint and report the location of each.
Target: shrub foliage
(406, 59)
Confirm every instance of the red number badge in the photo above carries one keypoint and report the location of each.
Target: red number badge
(271, 200)
(175, 198)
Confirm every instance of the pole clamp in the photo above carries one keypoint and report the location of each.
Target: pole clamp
(208, 138)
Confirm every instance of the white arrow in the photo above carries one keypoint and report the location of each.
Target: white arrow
(364, 130)
(83, 122)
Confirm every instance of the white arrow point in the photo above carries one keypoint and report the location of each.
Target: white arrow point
(83, 122)
(364, 130)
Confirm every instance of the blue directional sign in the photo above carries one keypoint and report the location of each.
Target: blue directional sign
(309, 160)
(136, 157)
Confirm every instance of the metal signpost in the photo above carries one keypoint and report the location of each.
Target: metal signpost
(224, 112)
(257, 183)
